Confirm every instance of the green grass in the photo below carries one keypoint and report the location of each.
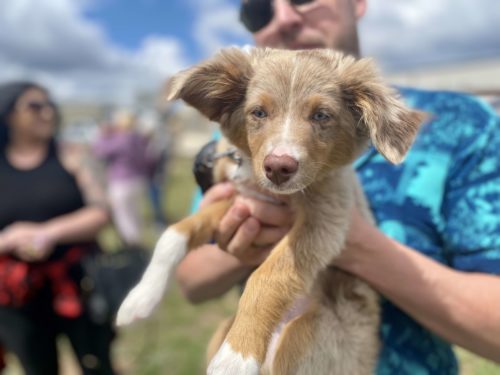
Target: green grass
(174, 339)
(471, 364)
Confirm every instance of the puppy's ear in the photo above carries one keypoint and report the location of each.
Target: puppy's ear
(214, 87)
(392, 126)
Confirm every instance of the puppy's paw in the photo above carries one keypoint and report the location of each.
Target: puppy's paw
(139, 304)
(229, 362)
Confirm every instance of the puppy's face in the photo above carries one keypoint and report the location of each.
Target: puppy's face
(298, 114)
(296, 122)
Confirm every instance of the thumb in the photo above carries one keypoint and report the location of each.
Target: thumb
(217, 192)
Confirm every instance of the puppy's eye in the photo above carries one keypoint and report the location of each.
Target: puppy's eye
(259, 113)
(320, 116)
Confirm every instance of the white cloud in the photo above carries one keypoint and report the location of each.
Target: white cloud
(51, 41)
(415, 32)
(73, 56)
(217, 25)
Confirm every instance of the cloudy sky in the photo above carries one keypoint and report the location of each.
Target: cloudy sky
(110, 50)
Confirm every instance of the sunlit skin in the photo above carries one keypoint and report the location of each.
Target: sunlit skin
(460, 307)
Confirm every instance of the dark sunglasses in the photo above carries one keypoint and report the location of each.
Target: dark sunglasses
(36, 106)
(256, 14)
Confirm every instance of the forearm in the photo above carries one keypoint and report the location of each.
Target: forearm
(208, 272)
(81, 225)
(460, 307)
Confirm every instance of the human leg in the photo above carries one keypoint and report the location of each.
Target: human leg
(91, 343)
(126, 198)
(31, 338)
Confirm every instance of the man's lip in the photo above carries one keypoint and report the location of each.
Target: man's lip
(305, 46)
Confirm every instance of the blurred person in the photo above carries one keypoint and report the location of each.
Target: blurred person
(157, 159)
(52, 209)
(435, 255)
(123, 149)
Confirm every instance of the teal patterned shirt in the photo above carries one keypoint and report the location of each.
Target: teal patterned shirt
(444, 201)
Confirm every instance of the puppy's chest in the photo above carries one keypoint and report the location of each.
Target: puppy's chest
(326, 205)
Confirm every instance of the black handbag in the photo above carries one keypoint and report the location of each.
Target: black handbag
(108, 277)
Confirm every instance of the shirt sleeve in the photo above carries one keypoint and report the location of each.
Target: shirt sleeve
(472, 204)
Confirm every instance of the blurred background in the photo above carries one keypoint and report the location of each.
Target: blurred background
(98, 57)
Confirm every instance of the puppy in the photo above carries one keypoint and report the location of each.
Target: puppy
(298, 119)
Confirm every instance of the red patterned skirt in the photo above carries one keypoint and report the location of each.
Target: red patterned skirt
(20, 281)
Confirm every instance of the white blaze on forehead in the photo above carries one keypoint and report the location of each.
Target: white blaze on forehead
(284, 143)
(278, 147)
(287, 126)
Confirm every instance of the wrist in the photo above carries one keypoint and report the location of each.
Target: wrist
(51, 233)
(364, 251)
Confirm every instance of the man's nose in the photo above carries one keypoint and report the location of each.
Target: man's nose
(285, 15)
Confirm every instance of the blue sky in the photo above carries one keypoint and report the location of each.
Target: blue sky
(128, 22)
(111, 50)
(125, 20)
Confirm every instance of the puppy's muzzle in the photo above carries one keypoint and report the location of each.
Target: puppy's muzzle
(280, 169)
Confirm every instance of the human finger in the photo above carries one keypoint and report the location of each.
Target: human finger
(269, 236)
(243, 237)
(4, 246)
(268, 213)
(230, 223)
(26, 252)
(217, 192)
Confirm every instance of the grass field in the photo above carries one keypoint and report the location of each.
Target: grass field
(173, 341)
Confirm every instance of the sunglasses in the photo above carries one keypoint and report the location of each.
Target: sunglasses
(256, 14)
(36, 106)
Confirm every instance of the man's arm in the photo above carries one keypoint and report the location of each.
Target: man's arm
(460, 307)
(209, 272)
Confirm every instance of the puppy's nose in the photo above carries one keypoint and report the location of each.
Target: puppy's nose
(280, 169)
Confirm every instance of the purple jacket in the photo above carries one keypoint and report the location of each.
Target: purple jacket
(124, 154)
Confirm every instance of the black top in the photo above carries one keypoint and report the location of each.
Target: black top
(38, 194)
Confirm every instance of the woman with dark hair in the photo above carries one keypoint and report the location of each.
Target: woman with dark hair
(52, 208)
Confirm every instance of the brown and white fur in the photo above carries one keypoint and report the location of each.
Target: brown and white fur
(299, 119)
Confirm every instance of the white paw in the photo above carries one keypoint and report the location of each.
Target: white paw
(229, 362)
(141, 301)
(139, 304)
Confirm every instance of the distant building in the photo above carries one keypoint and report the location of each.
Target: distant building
(480, 77)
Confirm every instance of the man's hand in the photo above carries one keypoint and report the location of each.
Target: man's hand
(251, 227)
(361, 232)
